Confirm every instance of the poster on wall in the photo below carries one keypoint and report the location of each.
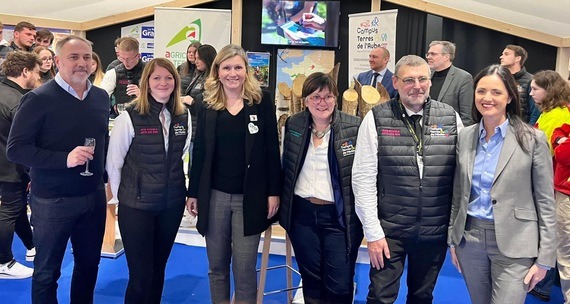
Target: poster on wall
(259, 63)
(367, 31)
(144, 33)
(176, 28)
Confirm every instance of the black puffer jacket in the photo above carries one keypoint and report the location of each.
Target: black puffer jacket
(523, 79)
(151, 178)
(408, 206)
(343, 140)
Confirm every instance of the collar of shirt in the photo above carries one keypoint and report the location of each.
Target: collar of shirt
(64, 85)
(410, 113)
(501, 129)
(381, 72)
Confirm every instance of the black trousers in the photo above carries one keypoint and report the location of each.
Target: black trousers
(148, 237)
(425, 259)
(13, 218)
(321, 252)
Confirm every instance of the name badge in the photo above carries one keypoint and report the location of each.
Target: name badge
(253, 117)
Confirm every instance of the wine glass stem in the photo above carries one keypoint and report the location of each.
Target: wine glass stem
(87, 166)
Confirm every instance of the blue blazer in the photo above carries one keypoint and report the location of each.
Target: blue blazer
(365, 78)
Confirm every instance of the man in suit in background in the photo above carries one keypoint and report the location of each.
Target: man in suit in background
(449, 84)
(378, 59)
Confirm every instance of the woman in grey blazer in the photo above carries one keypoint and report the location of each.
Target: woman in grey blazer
(502, 226)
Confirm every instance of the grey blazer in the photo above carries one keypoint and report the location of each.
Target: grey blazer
(522, 196)
(457, 91)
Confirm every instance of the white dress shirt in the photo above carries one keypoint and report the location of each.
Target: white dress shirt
(109, 81)
(364, 175)
(121, 138)
(315, 177)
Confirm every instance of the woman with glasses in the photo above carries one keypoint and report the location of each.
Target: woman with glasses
(235, 177)
(317, 201)
(47, 69)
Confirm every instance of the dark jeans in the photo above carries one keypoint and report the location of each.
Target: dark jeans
(319, 241)
(13, 218)
(425, 259)
(148, 237)
(81, 219)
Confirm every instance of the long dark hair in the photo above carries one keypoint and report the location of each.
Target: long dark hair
(523, 132)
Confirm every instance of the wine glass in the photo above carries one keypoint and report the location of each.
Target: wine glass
(89, 142)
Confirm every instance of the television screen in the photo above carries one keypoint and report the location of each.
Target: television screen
(302, 23)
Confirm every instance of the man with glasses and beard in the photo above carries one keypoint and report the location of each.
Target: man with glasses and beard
(403, 196)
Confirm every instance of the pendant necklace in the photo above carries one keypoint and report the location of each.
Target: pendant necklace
(320, 134)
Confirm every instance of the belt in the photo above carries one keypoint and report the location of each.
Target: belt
(318, 201)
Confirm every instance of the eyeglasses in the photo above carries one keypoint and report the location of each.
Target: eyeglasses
(316, 99)
(433, 54)
(45, 59)
(410, 81)
(123, 59)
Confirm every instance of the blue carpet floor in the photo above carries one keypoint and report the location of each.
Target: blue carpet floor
(187, 281)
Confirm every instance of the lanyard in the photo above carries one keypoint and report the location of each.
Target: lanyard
(416, 137)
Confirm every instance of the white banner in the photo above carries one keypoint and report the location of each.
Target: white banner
(176, 28)
(144, 33)
(368, 31)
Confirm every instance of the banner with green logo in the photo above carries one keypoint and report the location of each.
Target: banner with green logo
(176, 28)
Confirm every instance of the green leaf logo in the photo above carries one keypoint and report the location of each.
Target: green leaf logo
(191, 32)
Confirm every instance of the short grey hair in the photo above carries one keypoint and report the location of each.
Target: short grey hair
(67, 39)
(410, 60)
(447, 48)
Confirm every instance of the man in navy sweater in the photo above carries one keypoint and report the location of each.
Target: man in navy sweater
(48, 135)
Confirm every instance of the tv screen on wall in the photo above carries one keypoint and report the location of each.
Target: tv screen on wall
(301, 23)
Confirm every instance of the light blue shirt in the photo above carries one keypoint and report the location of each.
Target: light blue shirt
(486, 161)
(64, 85)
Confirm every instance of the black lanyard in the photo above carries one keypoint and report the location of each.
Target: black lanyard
(418, 138)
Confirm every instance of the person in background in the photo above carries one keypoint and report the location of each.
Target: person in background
(65, 203)
(317, 203)
(514, 58)
(561, 146)
(44, 38)
(22, 72)
(187, 70)
(96, 70)
(146, 177)
(450, 84)
(24, 38)
(551, 95)
(115, 62)
(47, 69)
(379, 72)
(235, 177)
(502, 225)
(3, 42)
(402, 180)
(205, 55)
(123, 80)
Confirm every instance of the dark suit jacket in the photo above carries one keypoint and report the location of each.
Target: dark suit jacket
(457, 91)
(522, 195)
(263, 167)
(365, 78)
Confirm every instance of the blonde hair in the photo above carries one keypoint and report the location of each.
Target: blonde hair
(214, 95)
(99, 71)
(142, 103)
